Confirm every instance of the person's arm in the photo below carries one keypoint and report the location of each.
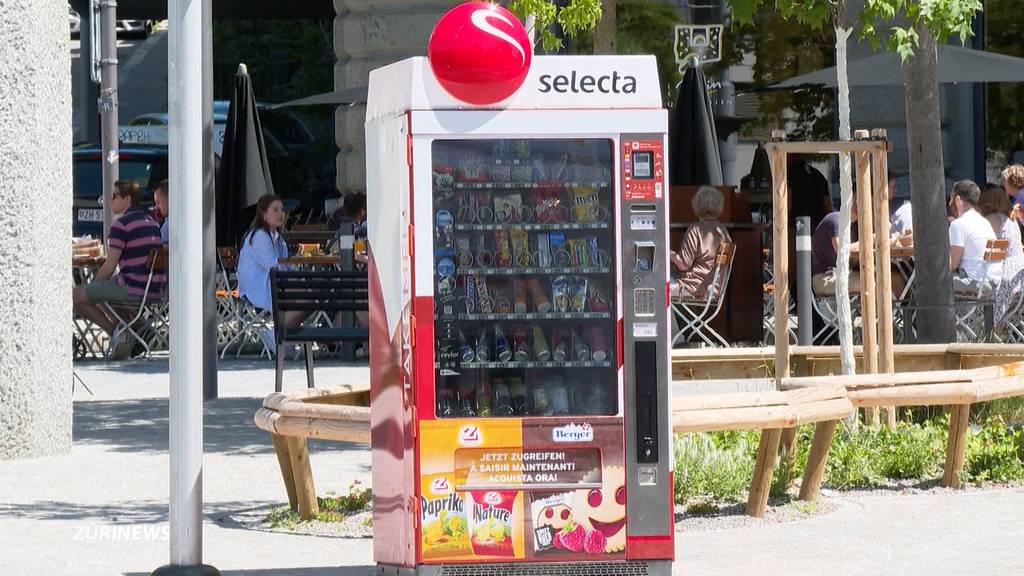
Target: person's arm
(109, 265)
(683, 261)
(956, 246)
(854, 248)
(263, 250)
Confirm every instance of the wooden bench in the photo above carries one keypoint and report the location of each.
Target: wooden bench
(771, 412)
(339, 413)
(957, 389)
(315, 291)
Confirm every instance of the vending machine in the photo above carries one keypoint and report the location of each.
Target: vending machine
(519, 322)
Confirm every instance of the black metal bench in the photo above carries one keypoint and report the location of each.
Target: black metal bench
(315, 291)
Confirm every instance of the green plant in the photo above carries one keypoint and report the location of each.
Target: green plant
(908, 451)
(995, 453)
(333, 507)
(850, 460)
(575, 17)
(714, 466)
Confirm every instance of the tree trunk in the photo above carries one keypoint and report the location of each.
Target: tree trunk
(604, 34)
(935, 321)
(844, 317)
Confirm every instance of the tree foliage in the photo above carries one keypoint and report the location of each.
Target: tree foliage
(576, 17)
(942, 17)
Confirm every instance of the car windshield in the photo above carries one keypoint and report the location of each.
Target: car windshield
(88, 177)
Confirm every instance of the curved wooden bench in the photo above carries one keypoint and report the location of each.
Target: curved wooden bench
(957, 389)
(339, 413)
(771, 412)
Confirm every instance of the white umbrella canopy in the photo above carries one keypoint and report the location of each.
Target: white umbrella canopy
(956, 65)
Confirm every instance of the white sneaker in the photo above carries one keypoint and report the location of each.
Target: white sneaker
(269, 342)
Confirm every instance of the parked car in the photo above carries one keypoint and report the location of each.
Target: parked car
(139, 28)
(145, 164)
(75, 21)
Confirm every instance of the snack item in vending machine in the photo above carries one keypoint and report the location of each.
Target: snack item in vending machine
(463, 251)
(580, 350)
(446, 296)
(491, 522)
(560, 170)
(560, 347)
(578, 255)
(443, 224)
(559, 252)
(521, 248)
(507, 208)
(470, 282)
(540, 345)
(465, 351)
(586, 207)
(541, 406)
(502, 398)
(443, 518)
(501, 172)
(501, 345)
(483, 396)
(559, 397)
(598, 350)
(597, 300)
(467, 402)
(540, 171)
(484, 299)
(519, 402)
(471, 169)
(540, 299)
(502, 249)
(445, 401)
(519, 289)
(521, 149)
(522, 173)
(520, 344)
(561, 293)
(500, 293)
(594, 254)
(542, 256)
(483, 348)
(578, 294)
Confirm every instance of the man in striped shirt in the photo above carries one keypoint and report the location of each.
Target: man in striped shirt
(122, 278)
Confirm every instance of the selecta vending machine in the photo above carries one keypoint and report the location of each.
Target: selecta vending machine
(518, 242)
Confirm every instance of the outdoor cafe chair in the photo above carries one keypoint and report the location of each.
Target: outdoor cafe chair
(130, 318)
(695, 314)
(973, 309)
(827, 310)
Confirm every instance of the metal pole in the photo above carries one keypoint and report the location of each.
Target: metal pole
(210, 319)
(348, 262)
(805, 317)
(107, 104)
(87, 129)
(185, 151)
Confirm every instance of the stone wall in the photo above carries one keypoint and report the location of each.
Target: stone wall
(369, 34)
(35, 216)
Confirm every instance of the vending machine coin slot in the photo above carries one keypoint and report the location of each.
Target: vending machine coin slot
(646, 371)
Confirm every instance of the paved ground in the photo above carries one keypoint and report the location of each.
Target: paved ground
(102, 509)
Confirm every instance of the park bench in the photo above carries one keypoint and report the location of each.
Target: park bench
(772, 412)
(338, 413)
(315, 292)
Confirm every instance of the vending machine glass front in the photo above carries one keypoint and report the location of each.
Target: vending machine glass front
(524, 273)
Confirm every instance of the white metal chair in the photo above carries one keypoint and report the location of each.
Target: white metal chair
(695, 314)
(130, 318)
(827, 310)
(971, 308)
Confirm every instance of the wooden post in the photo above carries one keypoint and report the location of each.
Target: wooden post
(866, 236)
(284, 462)
(764, 468)
(880, 172)
(958, 416)
(810, 489)
(780, 262)
(787, 449)
(305, 491)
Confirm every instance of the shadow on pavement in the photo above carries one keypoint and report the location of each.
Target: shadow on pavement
(141, 425)
(160, 365)
(310, 571)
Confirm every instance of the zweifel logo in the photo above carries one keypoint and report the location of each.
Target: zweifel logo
(470, 435)
(480, 53)
(573, 433)
(440, 486)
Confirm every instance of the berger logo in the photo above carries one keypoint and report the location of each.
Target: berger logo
(573, 433)
(440, 486)
(469, 435)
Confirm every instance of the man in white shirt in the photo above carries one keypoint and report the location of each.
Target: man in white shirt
(968, 236)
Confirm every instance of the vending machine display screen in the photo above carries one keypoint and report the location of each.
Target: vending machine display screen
(643, 165)
(524, 277)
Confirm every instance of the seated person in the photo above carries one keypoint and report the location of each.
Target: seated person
(350, 219)
(824, 247)
(160, 198)
(968, 237)
(122, 278)
(994, 205)
(694, 264)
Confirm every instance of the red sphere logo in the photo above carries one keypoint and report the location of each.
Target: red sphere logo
(480, 53)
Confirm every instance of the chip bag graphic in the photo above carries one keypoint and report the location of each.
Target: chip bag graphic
(443, 518)
(491, 522)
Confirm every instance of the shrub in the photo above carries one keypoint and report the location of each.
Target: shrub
(995, 453)
(715, 466)
(908, 451)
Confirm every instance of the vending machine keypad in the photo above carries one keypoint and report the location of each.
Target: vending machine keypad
(643, 301)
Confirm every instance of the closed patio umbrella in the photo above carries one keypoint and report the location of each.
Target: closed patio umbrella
(244, 173)
(694, 158)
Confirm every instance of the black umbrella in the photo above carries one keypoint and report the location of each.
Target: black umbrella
(347, 96)
(693, 141)
(244, 173)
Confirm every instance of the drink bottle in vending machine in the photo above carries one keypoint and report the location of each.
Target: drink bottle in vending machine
(520, 364)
